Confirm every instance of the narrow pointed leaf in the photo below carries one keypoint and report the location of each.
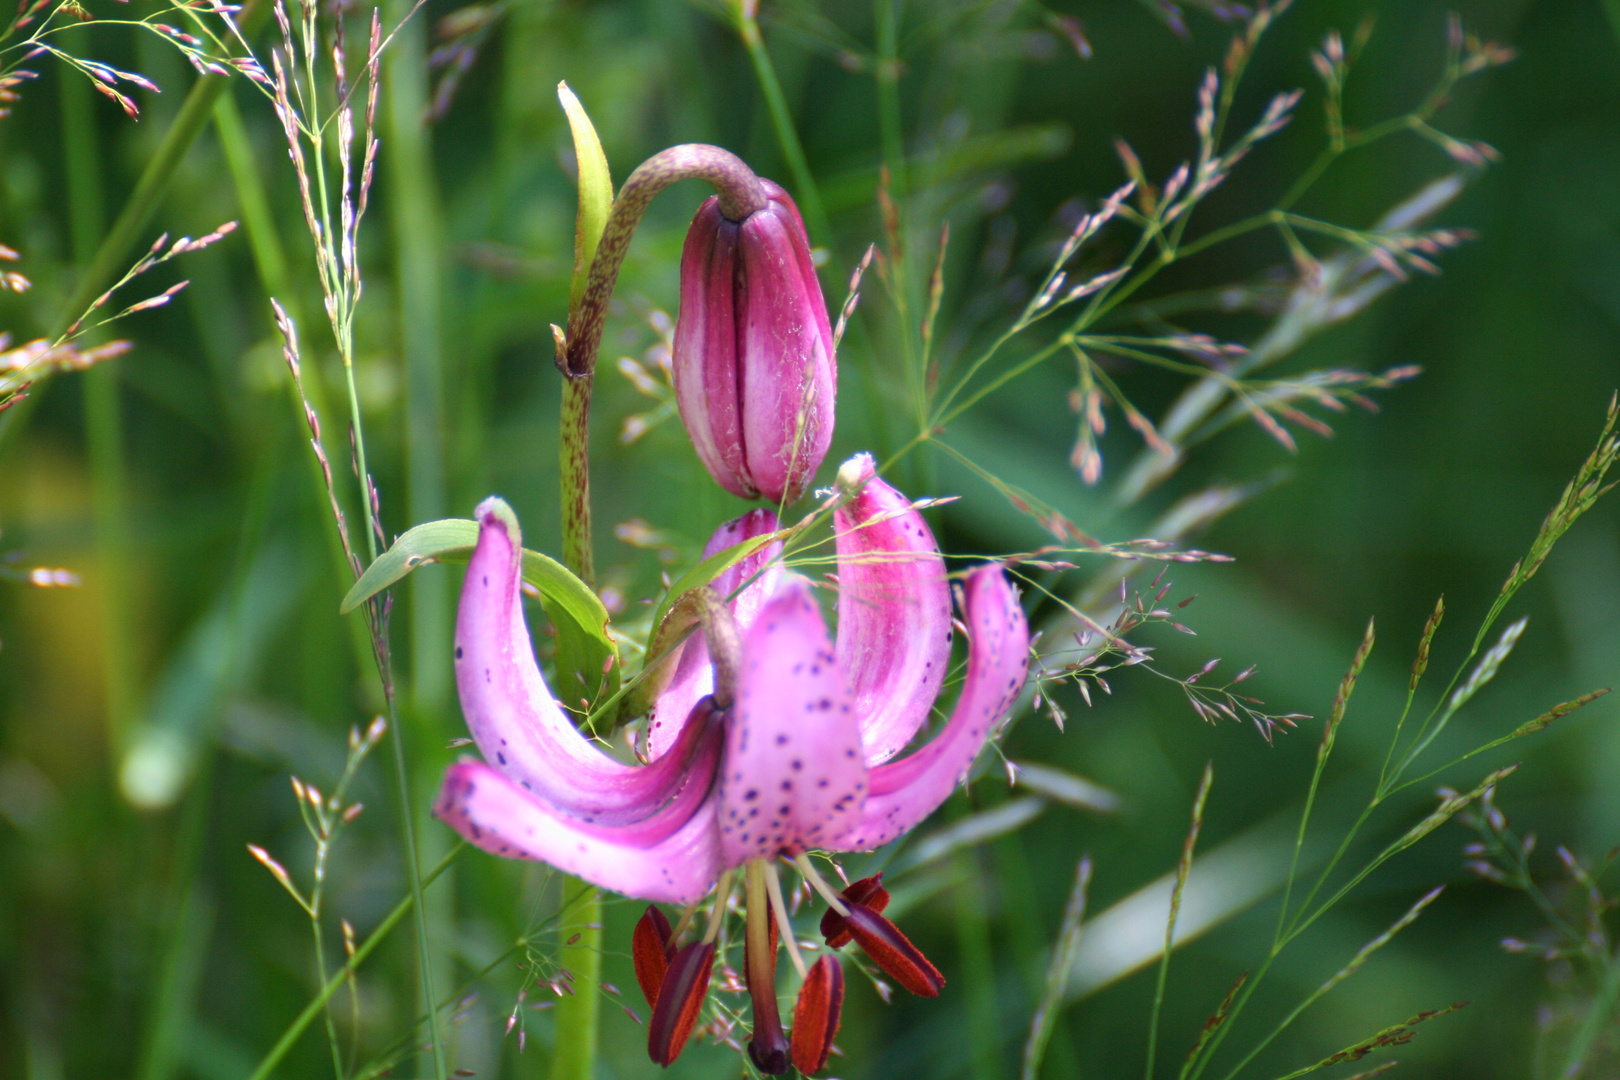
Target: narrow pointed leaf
(595, 191)
(584, 645)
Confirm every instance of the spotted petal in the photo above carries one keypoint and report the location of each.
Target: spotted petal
(513, 718)
(894, 610)
(904, 792)
(793, 775)
(670, 856)
(760, 571)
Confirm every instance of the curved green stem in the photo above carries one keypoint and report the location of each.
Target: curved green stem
(740, 195)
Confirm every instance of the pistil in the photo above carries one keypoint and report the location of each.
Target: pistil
(768, 1048)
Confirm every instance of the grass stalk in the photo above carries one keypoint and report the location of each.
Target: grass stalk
(270, 260)
(367, 947)
(1057, 975)
(1183, 868)
(887, 15)
(416, 221)
(745, 19)
(103, 419)
(973, 939)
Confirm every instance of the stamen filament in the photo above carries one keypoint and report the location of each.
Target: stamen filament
(773, 885)
(808, 871)
(683, 924)
(717, 915)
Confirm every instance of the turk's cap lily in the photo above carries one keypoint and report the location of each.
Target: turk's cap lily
(753, 362)
(796, 751)
(801, 757)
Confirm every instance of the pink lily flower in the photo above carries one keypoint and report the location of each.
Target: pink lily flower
(793, 755)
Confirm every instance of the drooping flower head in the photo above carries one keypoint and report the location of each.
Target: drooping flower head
(788, 753)
(753, 361)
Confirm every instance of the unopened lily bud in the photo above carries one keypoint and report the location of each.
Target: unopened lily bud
(753, 359)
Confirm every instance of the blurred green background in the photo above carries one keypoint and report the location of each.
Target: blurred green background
(203, 659)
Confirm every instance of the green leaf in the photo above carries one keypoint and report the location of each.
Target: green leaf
(450, 540)
(587, 660)
(586, 665)
(595, 191)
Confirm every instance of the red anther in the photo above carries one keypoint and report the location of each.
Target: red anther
(868, 891)
(680, 1000)
(889, 948)
(649, 947)
(815, 1017)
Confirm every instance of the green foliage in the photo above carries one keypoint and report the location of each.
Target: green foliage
(585, 659)
(1218, 322)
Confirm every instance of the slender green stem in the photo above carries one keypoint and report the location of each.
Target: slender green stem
(320, 960)
(407, 827)
(416, 222)
(887, 14)
(740, 195)
(104, 423)
(1183, 868)
(578, 1015)
(384, 928)
(973, 940)
(745, 19)
(575, 464)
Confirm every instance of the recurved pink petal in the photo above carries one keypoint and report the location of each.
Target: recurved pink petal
(694, 678)
(904, 792)
(787, 382)
(494, 813)
(793, 776)
(707, 376)
(894, 610)
(511, 714)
